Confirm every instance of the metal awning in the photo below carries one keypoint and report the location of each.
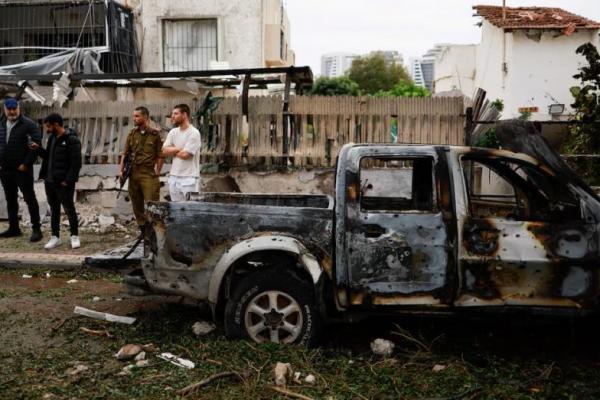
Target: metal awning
(302, 77)
(247, 78)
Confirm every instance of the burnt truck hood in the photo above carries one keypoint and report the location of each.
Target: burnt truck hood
(523, 137)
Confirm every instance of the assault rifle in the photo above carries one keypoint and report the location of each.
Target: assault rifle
(127, 164)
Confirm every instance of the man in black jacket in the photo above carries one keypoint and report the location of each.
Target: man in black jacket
(60, 170)
(16, 167)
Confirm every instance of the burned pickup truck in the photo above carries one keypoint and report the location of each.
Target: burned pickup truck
(412, 229)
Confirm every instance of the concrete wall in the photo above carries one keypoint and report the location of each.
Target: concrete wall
(241, 27)
(455, 69)
(538, 73)
(96, 189)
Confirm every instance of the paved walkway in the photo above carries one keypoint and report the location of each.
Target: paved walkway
(29, 260)
(109, 259)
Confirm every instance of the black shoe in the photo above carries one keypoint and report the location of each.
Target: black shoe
(10, 233)
(36, 235)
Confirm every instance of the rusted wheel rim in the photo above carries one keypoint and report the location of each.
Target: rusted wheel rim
(273, 316)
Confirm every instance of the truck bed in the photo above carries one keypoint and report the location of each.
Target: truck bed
(195, 234)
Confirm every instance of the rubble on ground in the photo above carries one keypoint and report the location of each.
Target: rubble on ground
(202, 328)
(382, 347)
(283, 373)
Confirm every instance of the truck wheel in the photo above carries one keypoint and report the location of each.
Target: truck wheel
(271, 306)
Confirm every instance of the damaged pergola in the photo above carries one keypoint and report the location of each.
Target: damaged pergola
(246, 79)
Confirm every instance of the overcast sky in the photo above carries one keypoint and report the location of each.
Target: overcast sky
(408, 26)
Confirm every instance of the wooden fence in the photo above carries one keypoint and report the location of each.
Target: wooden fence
(310, 133)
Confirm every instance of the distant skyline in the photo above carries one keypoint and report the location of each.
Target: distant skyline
(409, 26)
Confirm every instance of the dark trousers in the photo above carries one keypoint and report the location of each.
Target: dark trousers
(61, 196)
(12, 182)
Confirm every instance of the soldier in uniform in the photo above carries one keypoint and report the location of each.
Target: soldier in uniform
(145, 146)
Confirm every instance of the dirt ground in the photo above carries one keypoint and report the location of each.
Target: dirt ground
(45, 354)
(91, 241)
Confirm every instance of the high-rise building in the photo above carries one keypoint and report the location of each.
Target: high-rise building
(336, 64)
(422, 69)
(416, 72)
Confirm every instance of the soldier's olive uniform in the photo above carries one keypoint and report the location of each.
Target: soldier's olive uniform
(146, 148)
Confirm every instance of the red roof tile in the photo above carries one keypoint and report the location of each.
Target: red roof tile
(535, 18)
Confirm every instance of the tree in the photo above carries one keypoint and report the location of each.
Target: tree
(585, 136)
(341, 86)
(404, 89)
(373, 74)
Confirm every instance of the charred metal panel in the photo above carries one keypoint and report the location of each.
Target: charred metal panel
(189, 238)
(398, 253)
(551, 263)
(388, 257)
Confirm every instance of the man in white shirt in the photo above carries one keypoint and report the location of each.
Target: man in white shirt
(183, 144)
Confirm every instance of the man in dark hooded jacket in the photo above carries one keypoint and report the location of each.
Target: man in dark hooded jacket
(16, 167)
(60, 170)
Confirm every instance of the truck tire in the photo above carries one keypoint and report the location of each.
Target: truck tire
(273, 306)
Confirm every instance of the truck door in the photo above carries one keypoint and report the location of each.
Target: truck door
(524, 240)
(398, 230)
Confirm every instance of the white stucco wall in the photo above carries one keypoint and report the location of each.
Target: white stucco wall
(240, 26)
(488, 75)
(538, 73)
(541, 73)
(455, 69)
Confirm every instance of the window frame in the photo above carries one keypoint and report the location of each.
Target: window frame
(435, 207)
(174, 19)
(522, 186)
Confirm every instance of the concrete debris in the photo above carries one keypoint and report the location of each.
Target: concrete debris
(47, 275)
(202, 328)
(283, 373)
(382, 347)
(438, 368)
(141, 356)
(25, 276)
(310, 379)
(106, 220)
(297, 376)
(180, 362)
(142, 363)
(129, 351)
(96, 299)
(72, 281)
(103, 316)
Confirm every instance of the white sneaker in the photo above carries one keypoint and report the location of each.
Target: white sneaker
(52, 243)
(75, 242)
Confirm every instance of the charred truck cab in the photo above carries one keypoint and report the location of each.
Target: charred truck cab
(412, 228)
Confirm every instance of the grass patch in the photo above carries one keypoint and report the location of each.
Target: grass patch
(341, 372)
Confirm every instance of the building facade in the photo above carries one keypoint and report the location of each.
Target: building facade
(527, 58)
(454, 69)
(195, 34)
(422, 69)
(334, 65)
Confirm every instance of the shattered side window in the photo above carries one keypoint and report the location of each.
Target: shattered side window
(503, 188)
(396, 184)
(491, 194)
